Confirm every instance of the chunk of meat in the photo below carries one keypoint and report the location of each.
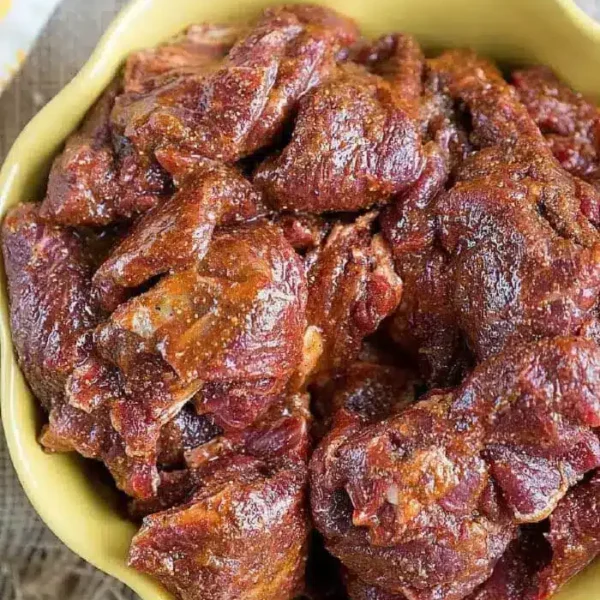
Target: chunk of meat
(358, 590)
(198, 48)
(516, 570)
(569, 122)
(352, 288)
(51, 301)
(239, 314)
(176, 235)
(515, 258)
(399, 59)
(425, 502)
(355, 143)
(510, 143)
(234, 405)
(515, 277)
(90, 184)
(574, 537)
(93, 436)
(190, 442)
(236, 318)
(174, 488)
(242, 105)
(206, 549)
(52, 311)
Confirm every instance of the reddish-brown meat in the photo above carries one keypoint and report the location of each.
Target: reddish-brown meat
(513, 256)
(359, 590)
(398, 58)
(569, 122)
(244, 102)
(243, 533)
(303, 231)
(92, 435)
(176, 235)
(425, 502)
(90, 184)
(355, 143)
(199, 48)
(282, 432)
(373, 390)
(424, 326)
(352, 288)
(236, 318)
(186, 431)
(515, 572)
(51, 301)
(574, 537)
(52, 310)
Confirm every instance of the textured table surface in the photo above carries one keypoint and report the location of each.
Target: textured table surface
(33, 563)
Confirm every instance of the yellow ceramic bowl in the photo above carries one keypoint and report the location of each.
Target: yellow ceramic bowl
(80, 510)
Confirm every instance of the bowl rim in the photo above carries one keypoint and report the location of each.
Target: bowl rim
(94, 75)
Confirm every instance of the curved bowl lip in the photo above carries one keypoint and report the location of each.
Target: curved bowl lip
(95, 68)
(587, 25)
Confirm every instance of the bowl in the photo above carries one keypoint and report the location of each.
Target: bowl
(80, 509)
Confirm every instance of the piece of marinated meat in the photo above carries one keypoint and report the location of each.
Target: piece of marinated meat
(574, 538)
(52, 312)
(93, 436)
(424, 327)
(399, 59)
(352, 288)
(510, 143)
(515, 572)
(425, 502)
(174, 488)
(570, 122)
(235, 319)
(513, 256)
(198, 48)
(355, 143)
(51, 302)
(233, 405)
(176, 235)
(91, 184)
(357, 589)
(243, 533)
(190, 442)
(101, 177)
(243, 104)
(525, 258)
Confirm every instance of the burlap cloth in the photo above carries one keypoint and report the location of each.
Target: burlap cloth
(34, 565)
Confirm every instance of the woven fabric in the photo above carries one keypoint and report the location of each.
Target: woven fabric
(34, 565)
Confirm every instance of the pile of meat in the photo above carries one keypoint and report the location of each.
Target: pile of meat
(328, 313)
